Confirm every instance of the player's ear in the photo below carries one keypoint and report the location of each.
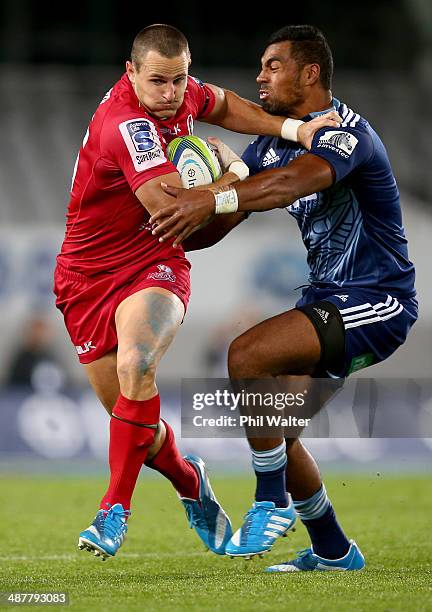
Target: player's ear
(311, 74)
(130, 70)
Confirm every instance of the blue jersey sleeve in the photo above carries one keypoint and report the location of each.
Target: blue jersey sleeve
(345, 148)
(250, 157)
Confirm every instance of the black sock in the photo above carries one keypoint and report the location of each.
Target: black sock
(318, 516)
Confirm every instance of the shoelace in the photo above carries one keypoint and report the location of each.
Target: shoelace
(301, 554)
(249, 516)
(114, 524)
(195, 521)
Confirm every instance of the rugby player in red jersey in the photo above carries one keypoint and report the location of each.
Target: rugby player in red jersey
(123, 294)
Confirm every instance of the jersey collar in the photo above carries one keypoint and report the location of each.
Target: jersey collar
(335, 105)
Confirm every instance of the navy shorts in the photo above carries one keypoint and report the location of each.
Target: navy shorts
(376, 323)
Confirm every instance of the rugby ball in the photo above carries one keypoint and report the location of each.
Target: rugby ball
(195, 161)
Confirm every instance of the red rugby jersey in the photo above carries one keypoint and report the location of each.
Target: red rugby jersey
(124, 147)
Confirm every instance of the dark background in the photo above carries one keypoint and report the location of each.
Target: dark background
(382, 51)
(365, 35)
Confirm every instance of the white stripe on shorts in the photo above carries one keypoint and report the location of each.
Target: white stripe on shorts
(344, 311)
(368, 313)
(372, 312)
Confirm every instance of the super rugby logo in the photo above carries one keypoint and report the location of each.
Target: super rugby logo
(343, 143)
(165, 273)
(143, 143)
(141, 135)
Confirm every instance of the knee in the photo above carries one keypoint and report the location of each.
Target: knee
(241, 361)
(236, 358)
(136, 366)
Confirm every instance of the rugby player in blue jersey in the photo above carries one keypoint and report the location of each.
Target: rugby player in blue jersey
(360, 303)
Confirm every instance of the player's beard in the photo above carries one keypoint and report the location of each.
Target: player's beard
(286, 108)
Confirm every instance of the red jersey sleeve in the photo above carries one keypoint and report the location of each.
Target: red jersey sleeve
(202, 96)
(135, 145)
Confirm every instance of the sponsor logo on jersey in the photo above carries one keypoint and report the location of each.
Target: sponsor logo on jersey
(176, 130)
(342, 297)
(173, 131)
(165, 273)
(88, 346)
(340, 142)
(270, 157)
(143, 143)
(322, 313)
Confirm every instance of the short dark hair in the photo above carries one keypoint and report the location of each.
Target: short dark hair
(308, 46)
(165, 39)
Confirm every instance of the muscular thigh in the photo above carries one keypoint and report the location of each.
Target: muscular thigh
(285, 344)
(148, 319)
(146, 324)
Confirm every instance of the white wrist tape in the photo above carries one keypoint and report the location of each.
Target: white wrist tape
(289, 129)
(226, 202)
(240, 168)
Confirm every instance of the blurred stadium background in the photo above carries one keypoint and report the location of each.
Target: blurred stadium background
(56, 63)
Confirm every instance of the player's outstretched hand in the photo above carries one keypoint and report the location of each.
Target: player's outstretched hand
(179, 220)
(306, 132)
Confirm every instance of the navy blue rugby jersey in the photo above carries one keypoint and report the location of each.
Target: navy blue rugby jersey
(352, 231)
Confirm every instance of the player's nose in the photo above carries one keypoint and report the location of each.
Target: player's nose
(169, 92)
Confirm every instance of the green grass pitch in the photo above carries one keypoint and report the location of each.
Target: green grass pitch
(163, 566)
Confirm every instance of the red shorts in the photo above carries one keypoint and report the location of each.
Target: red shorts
(89, 304)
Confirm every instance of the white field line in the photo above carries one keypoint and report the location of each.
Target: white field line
(76, 557)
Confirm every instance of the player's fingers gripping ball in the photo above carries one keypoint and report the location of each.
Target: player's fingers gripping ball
(230, 161)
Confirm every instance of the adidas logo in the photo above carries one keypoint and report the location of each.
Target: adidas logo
(322, 313)
(270, 157)
(342, 297)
